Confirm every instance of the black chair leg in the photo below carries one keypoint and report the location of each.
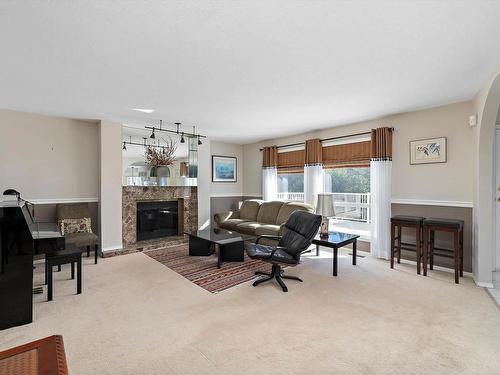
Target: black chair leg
(262, 280)
(262, 273)
(282, 284)
(49, 285)
(79, 276)
(88, 251)
(58, 268)
(95, 254)
(292, 278)
(276, 273)
(72, 270)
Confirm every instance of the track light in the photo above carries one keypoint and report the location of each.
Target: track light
(177, 131)
(124, 146)
(199, 141)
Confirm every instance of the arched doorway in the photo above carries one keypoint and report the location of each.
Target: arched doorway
(487, 105)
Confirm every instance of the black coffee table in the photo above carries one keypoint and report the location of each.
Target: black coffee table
(334, 241)
(228, 245)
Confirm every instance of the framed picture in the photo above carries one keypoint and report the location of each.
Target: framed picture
(425, 151)
(224, 168)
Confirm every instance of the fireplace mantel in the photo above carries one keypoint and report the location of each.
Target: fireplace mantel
(133, 194)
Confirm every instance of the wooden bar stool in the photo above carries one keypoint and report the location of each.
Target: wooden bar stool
(456, 227)
(402, 221)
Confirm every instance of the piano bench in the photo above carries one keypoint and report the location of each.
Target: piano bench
(70, 255)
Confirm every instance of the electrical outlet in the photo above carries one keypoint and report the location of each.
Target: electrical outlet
(473, 120)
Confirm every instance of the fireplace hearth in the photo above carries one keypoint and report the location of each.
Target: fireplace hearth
(157, 219)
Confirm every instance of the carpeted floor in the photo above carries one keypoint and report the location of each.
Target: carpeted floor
(137, 317)
(203, 271)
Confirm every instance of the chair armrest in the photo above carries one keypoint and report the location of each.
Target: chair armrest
(223, 216)
(267, 236)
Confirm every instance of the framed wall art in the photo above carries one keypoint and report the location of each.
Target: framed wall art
(426, 151)
(224, 168)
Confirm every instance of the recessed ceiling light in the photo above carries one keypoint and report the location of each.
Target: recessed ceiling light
(143, 110)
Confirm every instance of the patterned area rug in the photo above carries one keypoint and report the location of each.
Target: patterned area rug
(203, 271)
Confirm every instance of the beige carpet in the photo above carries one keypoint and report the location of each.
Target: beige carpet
(136, 316)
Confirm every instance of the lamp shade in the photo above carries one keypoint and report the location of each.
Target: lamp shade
(324, 205)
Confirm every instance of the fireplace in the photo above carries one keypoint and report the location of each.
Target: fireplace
(187, 211)
(158, 219)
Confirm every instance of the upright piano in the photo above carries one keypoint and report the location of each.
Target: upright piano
(20, 239)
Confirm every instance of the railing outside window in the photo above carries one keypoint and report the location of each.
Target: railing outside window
(299, 197)
(348, 206)
(352, 206)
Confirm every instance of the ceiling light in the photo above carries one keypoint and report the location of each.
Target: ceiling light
(152, 136)
(143, 110)
(199, 141)
(182, 138)
(124, 146)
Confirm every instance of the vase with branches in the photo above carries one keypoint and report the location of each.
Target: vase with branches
(161, 156)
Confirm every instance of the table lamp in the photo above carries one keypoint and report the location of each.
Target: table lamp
(325, 208)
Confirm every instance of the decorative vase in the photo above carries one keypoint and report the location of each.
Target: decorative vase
(323, 231)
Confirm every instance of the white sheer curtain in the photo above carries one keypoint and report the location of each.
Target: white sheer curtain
(269, 183)
(380, 187)
(313, 182)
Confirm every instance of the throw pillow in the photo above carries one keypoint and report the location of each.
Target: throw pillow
(82, 225)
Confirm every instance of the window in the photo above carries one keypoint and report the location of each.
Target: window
(291, 186)
(351, 189)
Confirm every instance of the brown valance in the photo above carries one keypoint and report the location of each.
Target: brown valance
(381, 144)
(270, 157)
(347, 155)
(313, 153)
(291, 161)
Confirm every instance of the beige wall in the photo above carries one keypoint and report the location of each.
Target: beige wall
(204, 182)
(49, 158)
(211, 193)
(110, 185)
(451, 182)
(227, 188)
(486, 105)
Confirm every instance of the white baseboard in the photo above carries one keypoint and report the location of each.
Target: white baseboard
(428, 202)
(483, 285)
(226, 195)
(63, 200)
(112, 248)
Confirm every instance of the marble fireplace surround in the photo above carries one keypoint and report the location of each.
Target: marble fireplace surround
(187, 195)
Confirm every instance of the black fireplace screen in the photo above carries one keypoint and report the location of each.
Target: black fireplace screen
(157, 219)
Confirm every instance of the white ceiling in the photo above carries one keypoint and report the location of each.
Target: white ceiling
(244, 70)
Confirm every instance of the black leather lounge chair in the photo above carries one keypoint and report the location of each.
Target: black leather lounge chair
(298, 233)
